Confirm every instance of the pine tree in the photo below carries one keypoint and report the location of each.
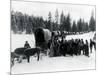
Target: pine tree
(49, 26)
(79, 25)
(74, 27)
(87, 27)
(13, 22)
(61, 21)
(56, 20)
(62, 18)
(68, 23)
(92, 23)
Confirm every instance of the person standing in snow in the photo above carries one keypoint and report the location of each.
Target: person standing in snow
(86, 49)
(26, 45)
(92, 43)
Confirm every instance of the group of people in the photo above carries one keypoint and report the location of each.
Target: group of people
(70, 47)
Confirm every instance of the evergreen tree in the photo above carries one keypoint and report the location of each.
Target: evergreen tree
(13, 22)
(92, 23)
(65, 23)
(62, 18)
(79, 25)
(74, 27)
(87, 27)
(83, 26)
(61, 21)
(49, 26)
(56, 20)
(68, 23)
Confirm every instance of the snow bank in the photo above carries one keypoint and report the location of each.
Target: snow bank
(52, 64)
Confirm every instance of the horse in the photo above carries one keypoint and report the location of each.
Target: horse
(32, 51)
(13, 57)
(17, 54)
(20, 51)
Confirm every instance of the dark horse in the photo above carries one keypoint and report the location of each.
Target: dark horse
(32, 51)
(18, 53)
(27, 52)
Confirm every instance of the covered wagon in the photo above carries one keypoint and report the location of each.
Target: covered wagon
(42, 37)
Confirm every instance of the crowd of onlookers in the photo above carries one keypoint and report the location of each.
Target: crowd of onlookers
(71, 47)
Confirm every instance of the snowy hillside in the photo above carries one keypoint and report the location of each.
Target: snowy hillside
(47, 64)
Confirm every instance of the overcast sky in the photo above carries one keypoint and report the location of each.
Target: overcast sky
(42, 9)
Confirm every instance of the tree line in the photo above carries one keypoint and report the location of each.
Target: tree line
(24, 23)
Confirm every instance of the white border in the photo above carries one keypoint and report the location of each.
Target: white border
(5, 36)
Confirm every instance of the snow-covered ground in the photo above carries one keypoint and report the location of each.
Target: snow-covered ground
(86, 36)
(51, 64)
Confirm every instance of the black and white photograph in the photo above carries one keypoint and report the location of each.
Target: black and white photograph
(52, 37)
